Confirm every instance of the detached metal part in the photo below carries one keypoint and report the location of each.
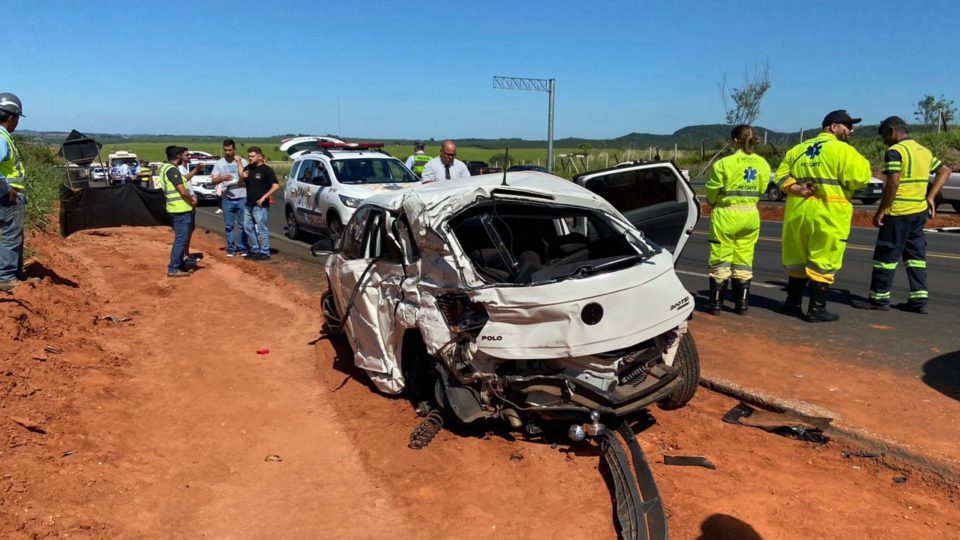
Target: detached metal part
(639, 507)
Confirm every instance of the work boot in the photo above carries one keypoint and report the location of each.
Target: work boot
(794, 302)
(913, 307)
(741, 296)
(717, 291)
(817, 312)
(871, 304)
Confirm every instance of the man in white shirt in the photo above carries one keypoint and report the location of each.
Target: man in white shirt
(226, 175)
(446, 166)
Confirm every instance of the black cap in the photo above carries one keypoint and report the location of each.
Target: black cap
(839, 117)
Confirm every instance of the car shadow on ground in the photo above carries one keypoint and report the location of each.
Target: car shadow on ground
(39, 271)
(942, 373)
(724, 527)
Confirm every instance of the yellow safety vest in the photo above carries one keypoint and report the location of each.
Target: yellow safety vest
(738, 180)
(834, 168)
(915, 166)
(175, 202)
(12, 167)
(419, 162)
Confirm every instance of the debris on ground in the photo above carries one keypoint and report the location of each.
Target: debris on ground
(273, 457)
(53, 350)
(689, 461)
(30, 425)
(263, 352)
(847, 454)
(426, 430)
(516, 455)
(899, 479)
(110, 318)
(794, 426)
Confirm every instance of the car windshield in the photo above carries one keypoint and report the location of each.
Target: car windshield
(509, 242)
(371, 170)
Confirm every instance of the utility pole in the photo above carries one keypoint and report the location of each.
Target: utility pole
(534, 85)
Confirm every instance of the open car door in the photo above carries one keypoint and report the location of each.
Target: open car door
(655, 197)
(298, 144)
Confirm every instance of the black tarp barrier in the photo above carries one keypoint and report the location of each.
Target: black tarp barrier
(115, 206)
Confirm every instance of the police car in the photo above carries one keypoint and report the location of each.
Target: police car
(331, 178)
(202, 182)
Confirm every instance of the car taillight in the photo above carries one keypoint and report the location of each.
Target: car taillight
(462, 315)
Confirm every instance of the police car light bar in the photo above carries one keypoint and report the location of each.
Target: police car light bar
(349, 146)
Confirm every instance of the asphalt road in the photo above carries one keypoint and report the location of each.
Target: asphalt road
(896, 339)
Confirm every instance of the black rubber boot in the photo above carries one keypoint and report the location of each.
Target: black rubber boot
(717, 291)
(817, 312)
(741, 296)
(794, 303)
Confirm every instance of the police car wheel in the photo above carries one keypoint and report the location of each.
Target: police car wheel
(687, 363)
(869, 201)
(774, 194)
(293, 231)
(335, 226)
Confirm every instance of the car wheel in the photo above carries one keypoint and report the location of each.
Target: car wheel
(687, 363)
(869, 201)
(334, 225)
(774, 194)
(331, 318)
(293, 230)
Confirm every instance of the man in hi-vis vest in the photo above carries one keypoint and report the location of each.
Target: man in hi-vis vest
(180, 205)
(13, 202)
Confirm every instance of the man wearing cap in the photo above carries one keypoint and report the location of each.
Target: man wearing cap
(819, 177)
(446, 166)
(418, 159)
(13, 203)
(902, 216)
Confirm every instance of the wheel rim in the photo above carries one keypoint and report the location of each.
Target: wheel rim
(335, 226)
(291, 225)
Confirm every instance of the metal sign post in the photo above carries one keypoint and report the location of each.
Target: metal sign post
(534, 85)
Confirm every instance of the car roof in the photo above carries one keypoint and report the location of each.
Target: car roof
(343, 154)
(532, 183)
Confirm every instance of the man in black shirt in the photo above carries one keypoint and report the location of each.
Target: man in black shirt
(261, 184)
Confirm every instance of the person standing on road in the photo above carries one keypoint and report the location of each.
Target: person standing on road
(902, 216)
(819, 177)
(261, 183)
(226, 173)
(418, 160)
(180, 206)
(733, 191)
(446, 166)
(13, 202)
(187, 174)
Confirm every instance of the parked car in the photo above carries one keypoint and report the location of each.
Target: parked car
(950, 193)
(329, 180)
(201, 182)
(869, 194)
(530, 302)
(536, 168)
(99, 173)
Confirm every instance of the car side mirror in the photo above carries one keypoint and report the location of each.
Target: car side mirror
(326, 246)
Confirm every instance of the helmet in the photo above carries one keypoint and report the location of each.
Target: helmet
(10, 103)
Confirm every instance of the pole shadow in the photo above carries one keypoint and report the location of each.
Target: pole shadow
(724, 527)
(942, 373)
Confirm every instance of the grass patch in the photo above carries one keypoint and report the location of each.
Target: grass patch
(44, 175)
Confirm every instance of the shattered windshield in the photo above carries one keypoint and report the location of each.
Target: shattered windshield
(511, 242)
(373, 170)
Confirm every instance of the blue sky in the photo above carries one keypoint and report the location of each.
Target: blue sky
(424, 69)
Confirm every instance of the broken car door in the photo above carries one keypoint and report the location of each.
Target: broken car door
(365, 280)
(654, 197)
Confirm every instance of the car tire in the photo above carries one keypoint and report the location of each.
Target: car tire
(687, 363)
(331, 317)
(773, 194)
(334, 225)
(869, 201)
(293, 230)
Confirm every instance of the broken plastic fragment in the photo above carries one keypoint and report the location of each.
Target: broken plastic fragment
(689, 461)
(791, 425)
(263, 351)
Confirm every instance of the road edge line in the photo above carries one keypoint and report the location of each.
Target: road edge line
(946, 470)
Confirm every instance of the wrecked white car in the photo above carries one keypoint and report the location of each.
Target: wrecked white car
(525, 297)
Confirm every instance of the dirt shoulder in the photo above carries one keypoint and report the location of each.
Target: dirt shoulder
(170, 424)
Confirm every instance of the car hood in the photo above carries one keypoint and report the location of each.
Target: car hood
(549, 320)
(366, 190)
